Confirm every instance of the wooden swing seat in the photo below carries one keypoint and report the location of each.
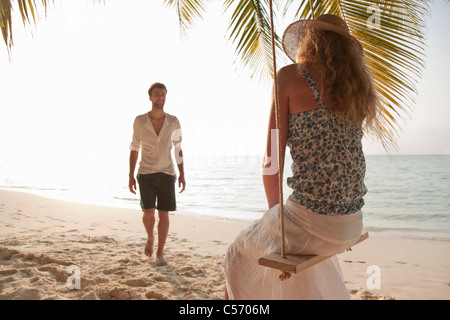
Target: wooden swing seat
(296, 263)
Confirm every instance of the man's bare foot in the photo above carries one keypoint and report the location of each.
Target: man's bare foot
(160, 260)
(149, 248)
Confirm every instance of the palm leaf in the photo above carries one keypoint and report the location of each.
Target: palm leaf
(189, 11)
(6, 21)
(250, 32)
(26, 8)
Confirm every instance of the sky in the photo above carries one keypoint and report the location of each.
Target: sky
(79, 77)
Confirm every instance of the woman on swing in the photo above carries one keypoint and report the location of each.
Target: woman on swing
(326, 100)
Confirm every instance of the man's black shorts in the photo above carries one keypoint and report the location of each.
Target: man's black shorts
(157, 187)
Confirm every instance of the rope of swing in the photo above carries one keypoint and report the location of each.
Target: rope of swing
(277, 123)
(284, 275)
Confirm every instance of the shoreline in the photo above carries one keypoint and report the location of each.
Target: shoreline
(41, 237)
(121, 204)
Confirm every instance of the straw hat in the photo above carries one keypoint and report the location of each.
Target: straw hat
(295, 32)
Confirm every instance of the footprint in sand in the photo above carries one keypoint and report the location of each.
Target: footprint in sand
(52, 272)
(114, 270)
(191, 272)
(156, 295)
(137, 282)
(351, 261)
(54, 219)
(7, 273)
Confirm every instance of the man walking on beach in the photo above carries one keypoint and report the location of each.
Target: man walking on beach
(155, 132)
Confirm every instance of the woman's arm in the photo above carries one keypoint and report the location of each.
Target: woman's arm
(271, 164)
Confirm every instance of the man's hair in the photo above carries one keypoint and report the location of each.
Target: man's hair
(156, 85)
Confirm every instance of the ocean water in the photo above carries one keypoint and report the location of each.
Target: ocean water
(408, 195)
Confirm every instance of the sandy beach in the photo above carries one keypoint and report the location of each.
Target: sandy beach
(53, 249)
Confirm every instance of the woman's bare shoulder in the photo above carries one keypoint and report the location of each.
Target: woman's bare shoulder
(288, 70)
(289, 76)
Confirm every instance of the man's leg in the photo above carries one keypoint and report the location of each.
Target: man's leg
(166, 203)
(163, 230)
(149, 222)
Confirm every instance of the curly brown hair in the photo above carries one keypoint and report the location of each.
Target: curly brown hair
(344, 77)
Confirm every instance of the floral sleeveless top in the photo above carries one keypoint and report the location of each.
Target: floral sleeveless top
(328, 162)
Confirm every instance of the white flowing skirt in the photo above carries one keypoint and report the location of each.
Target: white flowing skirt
(306, 233)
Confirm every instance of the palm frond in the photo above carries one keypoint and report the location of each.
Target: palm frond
(189, 11)
(29, 11)
(6, 21)
(250, 33)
